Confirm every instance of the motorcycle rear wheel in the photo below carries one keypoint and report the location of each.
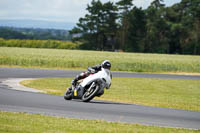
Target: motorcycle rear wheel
(68, 94)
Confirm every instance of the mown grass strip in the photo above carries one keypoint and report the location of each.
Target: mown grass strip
(179, 94)
(76, 59)
(35, 123)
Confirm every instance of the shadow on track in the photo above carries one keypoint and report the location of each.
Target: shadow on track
(107, 102)
(101, 102)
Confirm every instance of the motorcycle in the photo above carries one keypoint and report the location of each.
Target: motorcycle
(91, 86)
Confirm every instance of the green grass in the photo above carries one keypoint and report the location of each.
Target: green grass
(179, 94)
(76, 59)
(34, 123)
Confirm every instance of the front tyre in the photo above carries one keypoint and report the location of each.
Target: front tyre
(89, 95)
(68, 94)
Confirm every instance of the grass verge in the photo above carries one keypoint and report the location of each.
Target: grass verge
(179, 94)
(76, 59)
(35, 123)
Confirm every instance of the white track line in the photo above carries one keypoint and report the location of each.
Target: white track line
(14, 84)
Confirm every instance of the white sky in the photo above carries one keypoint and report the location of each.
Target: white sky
(55, 10)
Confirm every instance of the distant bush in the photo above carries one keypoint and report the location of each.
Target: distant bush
(39, 44)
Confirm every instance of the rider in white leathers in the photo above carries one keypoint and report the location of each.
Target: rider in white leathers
(98, 69)
(105, 64)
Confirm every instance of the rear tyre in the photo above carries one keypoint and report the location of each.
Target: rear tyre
(89, 95)
(68, 94)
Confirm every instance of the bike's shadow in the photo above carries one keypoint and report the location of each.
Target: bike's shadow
(102, 102)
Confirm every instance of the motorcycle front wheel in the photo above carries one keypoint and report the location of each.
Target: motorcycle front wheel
(90, 94)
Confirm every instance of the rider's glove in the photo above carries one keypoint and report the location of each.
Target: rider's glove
(73, 82)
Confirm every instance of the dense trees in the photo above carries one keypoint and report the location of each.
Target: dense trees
(8, 33)
(137, 31)
(98, 26)
(33, 34)
(157, 29)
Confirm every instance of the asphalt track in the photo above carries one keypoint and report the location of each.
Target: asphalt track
(19, 101)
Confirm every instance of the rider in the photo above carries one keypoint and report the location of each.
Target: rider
(105, 64)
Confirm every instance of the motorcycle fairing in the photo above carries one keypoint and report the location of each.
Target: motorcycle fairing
(103, 74)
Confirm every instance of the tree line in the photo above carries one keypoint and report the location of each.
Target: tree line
(157, 29)
(34, 33)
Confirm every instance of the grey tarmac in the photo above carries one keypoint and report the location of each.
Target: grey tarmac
(20, 101)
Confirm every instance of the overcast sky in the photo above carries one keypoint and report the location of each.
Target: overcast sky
(54, 10)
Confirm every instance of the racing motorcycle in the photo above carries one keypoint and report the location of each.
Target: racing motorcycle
(91, 86)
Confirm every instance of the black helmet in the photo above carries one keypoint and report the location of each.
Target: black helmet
(106, 64)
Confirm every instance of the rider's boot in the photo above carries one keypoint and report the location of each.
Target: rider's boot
(79, 77)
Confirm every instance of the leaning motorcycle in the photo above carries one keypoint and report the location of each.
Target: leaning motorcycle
(90, 87)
